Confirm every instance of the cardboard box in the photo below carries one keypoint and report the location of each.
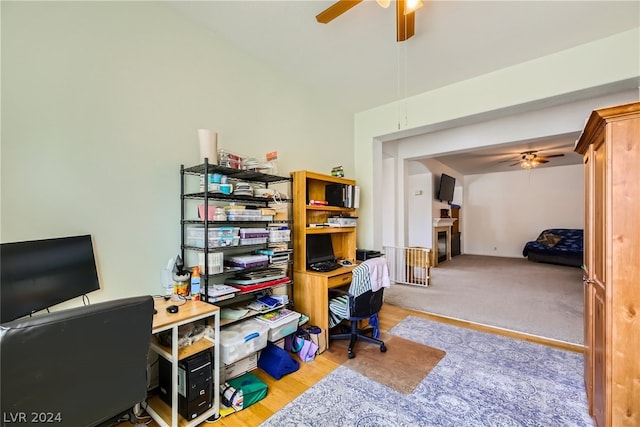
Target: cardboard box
(240, 367)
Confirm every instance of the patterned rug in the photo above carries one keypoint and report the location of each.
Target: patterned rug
(484, 380)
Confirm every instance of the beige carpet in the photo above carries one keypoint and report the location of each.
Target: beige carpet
(402, 367)
(512, 293)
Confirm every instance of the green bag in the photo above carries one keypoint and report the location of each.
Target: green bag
(253, 388)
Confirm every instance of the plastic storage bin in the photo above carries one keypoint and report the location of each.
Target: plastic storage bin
(215, 265)
(240, 340)
(281, 328)
(246, 261)
(276, 236)
(248, 233)
(236, 214)
(218, 236)
(253, 241)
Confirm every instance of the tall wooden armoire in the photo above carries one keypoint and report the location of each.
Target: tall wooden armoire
(610, 144)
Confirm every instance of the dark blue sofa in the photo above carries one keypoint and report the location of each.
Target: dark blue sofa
(564, 246)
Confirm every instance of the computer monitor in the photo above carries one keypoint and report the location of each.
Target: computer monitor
(319, 248)
(37, 274)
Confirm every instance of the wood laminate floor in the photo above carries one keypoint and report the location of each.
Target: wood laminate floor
(291, 386)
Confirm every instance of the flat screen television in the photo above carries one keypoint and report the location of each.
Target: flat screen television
(38, 274)
(446, 188)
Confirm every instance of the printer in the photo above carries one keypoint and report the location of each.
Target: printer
(365, 254)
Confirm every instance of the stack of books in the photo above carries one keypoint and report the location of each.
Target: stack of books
(220, 292)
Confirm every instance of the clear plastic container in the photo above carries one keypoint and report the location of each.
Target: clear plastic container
(248, 233)
(229, 160)
(276, 236)
(241, 339)
(253, 241)
(272, 162)
(218, 236)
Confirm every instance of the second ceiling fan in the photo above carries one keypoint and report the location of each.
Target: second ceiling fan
(405, 14)
(530, 160)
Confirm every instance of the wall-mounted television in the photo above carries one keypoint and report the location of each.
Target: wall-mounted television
(38, 274)
(446, 188)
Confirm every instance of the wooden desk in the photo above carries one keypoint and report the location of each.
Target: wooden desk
(311, 293)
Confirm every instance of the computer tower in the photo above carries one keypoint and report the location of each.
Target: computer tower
(195, 384)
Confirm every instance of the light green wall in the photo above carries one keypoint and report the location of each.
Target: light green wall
(101, 102)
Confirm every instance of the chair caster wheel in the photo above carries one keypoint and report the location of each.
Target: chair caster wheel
(383, 349)
(351, 355)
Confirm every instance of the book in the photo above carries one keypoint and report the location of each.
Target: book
(258, 306)
(261, 285)
(221, 297)
(277, 315)
(269, 301)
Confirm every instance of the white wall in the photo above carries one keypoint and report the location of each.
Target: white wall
(101, 102)
(542, 123)
(567, 76)
(503, 211)
(419, 196)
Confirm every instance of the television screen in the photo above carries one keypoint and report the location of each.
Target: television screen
(38, 274)
(319, 248)
(447, 186)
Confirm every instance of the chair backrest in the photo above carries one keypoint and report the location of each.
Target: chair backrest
(368, 281)
(86, 364)
(366, 304)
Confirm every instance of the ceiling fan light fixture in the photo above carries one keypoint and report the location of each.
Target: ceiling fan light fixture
(528, 164)
(384, 3)
(411, 6)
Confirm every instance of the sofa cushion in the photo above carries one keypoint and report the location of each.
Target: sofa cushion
(549, 239)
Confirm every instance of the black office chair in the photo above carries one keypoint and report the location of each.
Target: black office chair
(360, 303)
(83, 366)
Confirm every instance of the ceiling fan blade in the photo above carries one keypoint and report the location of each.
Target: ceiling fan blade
(541, 160)
(405, 24)
(516, 163)
(335, 10)
(551, 156)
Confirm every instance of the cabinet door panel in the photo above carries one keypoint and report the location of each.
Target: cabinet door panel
(588, 288)
(599, 282)
(599, 356)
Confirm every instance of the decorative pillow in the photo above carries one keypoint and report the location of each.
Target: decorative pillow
(549, 239)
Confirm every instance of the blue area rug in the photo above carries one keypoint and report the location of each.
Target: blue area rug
(484, 380)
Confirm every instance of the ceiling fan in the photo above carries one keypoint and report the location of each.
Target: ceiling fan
(530, 160)
(405, 14)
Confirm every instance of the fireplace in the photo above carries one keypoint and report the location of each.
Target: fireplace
(442, 239)
(443, 248)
